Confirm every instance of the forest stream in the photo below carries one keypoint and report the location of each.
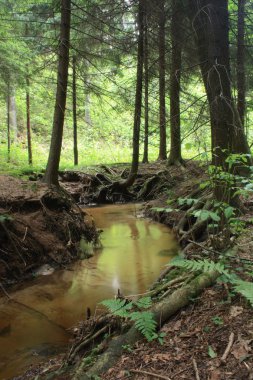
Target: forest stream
(33, 324)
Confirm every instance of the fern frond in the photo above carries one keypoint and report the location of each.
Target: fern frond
(144, 303)
(245, 288)
(118, 307)
(200, 265)
(145, 323)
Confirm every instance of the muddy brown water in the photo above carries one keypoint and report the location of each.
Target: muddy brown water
(133, 254)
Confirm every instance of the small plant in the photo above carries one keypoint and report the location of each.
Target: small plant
(133, 311)
(4, 218)
(218, 321)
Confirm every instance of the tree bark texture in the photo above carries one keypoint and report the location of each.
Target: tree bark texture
(28, 121)
(162, 106)
(138, 98)
(8, 124)
(51, 175)
(210, 23)
(146, 83)
(175, 156)
(74, 113)
(241, 77)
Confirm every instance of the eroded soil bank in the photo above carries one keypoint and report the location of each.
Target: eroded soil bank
(38, 226)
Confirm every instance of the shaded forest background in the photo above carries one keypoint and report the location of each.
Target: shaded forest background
(102, 74)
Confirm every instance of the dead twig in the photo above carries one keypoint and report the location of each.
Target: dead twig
(87, 341)
(228, 348)
(196, 369)
(150, 374)
(26, 229)
(4, 291)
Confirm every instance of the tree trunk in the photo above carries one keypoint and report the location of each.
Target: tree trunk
(28, 121)
(13, 114)
(175, 156)
(241, 78)
(8, 124)
(146, 82)
(51, 175)
(211, 26)
(74, 113)
(138, 99)
(162, 107)
(210, 23)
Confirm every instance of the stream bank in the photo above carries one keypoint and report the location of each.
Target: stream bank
(198, 336)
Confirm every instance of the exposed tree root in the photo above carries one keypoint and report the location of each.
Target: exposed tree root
(162, 312)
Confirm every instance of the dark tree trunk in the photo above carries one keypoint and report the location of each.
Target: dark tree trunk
(51, 175)
(210, 23)
(175, 156)
(211, 26)
(146, 84)
(162, 107)
(13, 114)
(138, 98)
(74, 113)
(241, 78)
(28, 121)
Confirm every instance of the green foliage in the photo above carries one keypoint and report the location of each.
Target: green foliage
(143, 320)
(4, 218)
(245, 288)
(199, 265)
(211, 352)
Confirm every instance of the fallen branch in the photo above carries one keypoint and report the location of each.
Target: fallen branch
(87, 341)
(162, 311)
(149, 374)
(228, 348)
(196, 369)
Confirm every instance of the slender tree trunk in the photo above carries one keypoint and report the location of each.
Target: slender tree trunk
(162, 107)
(138, 98)
(175, 156)
(146, 83)
(13, 114)
(28, 121)
(8, 124)
(210, 23)
(51, 175)
(74, 113)
(241, 77)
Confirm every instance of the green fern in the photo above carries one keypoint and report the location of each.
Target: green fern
(143, 320)
(118, 307)
(200, 265)
(144, 303)
(145, 323)
(245, 288)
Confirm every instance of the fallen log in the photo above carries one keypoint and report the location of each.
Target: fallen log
(162, 311)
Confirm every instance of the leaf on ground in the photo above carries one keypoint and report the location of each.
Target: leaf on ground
(177, 325)
(211, 352)
(241, 348)
(161, 358)
(235, 311)
(215, 375)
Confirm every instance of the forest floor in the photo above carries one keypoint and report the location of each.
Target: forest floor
(212, 337)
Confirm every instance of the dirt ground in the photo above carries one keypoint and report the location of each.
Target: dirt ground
(211, 338)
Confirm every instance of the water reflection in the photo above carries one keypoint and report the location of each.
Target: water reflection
(130, 261)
